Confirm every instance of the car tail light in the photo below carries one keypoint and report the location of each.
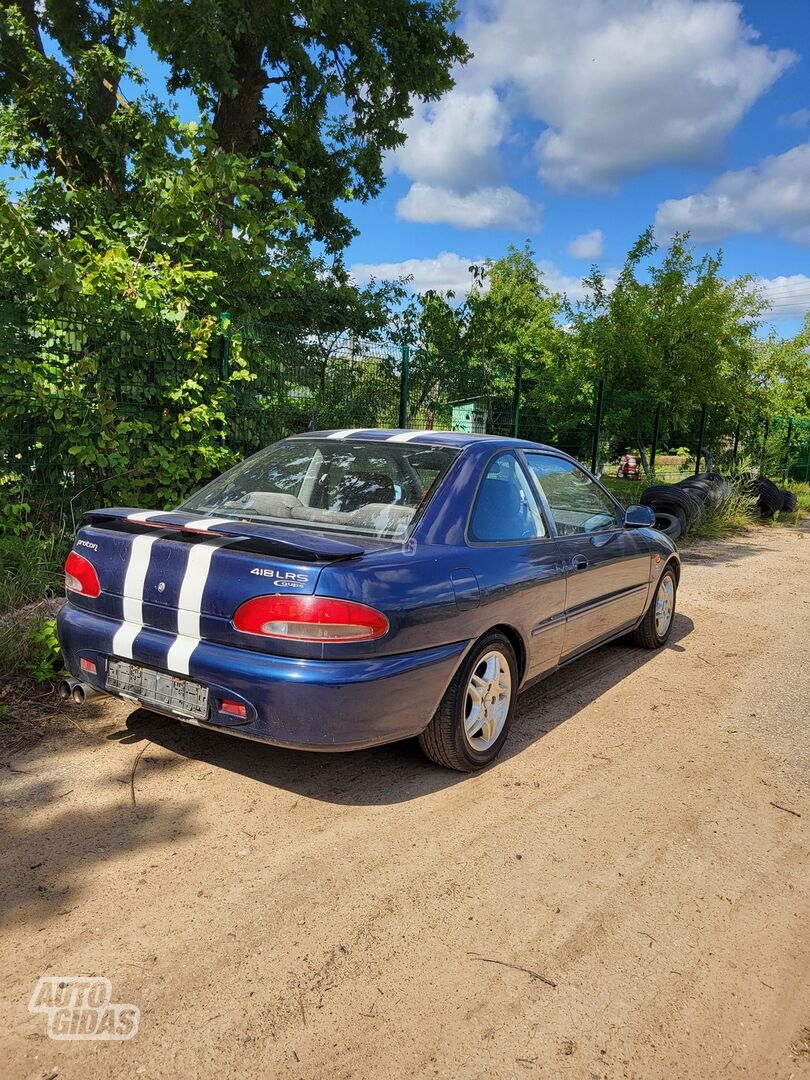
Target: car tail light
(81, 576)
(309, 618)
(233, 708)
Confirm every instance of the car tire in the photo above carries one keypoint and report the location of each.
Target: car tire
(452, 738)
(709, 491)
(670, 524)
(666, 496)
(770, 497)
(654, 628)
(699, 488)
(789, 500)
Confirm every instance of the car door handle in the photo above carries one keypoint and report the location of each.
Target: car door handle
(579, 562)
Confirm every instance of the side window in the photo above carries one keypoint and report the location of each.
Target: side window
(506, 508)
(577, 503)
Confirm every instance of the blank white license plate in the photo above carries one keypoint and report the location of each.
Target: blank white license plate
(181, 696)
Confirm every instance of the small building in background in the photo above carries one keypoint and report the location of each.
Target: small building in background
(469, 416)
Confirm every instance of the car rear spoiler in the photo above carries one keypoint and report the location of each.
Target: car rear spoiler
(296, 543)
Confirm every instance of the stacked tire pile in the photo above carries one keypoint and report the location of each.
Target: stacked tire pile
(678, 506)
(770, 498)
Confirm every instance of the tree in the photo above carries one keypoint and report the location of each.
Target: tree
(681, 335)
(512, 318)
(782, 376)
(129, 235)
(319, 88)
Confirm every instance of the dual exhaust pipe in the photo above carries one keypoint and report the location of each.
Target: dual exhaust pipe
(78, 692)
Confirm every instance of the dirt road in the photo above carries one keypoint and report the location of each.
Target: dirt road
(283, 915)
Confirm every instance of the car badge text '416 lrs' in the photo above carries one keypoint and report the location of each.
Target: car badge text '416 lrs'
(283, 579)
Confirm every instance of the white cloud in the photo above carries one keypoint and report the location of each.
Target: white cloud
(446, 271)
(788, 295)
(451, 154)
(454, 142)
(773, 196)
(451, 271)
(588, 245)
(487, 207)
(621, 85)
(558, 282)
(798, 119)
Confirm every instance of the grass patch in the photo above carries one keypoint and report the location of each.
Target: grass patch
(628, 492)
(733, 513)
(30, 582)
(802, 493)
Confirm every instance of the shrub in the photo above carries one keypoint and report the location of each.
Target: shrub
(45, 656)
(30, 581)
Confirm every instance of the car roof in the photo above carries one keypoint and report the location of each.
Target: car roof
(458, 439)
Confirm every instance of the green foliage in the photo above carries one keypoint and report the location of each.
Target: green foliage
(14, 512)
(802, 493)
(128, 233)
(45, 656)
(473, 349)
(330, 81)
(784, 373)
(30, 568)
(30, 572)
(672, 331)
(512, 320)
(733, 512)
(298, 105)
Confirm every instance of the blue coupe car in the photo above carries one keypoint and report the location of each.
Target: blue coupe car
(342, 589)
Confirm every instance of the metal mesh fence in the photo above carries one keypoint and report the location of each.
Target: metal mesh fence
(143, 412)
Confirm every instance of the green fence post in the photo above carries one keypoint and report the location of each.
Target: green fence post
(516, 406)
(765, 434)
(654, 446)
(403, 386)
(736, 446)
(597, 423)
(225, 332)
(701, 434)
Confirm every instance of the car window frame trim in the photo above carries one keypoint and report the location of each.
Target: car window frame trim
(524, 452)
(522, 542)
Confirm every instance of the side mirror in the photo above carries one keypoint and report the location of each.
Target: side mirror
(639, 517)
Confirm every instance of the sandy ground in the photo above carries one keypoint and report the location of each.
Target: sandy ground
(286, 915)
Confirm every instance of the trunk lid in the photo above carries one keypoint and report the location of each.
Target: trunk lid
(187, 575)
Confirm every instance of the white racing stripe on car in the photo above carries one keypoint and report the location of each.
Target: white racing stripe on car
(139, 554)
(207, 524)
(144, 515)
(190, 604)
(345, 433)
(406, 437)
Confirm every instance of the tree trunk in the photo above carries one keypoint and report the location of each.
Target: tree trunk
(236, 120)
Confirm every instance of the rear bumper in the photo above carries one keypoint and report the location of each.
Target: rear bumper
(308, 704)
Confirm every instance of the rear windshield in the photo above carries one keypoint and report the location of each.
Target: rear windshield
(371, 488)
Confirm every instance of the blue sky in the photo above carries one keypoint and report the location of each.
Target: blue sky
(594, 119)
(579, 123)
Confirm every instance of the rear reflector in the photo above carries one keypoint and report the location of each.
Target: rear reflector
(233, 708)
(87, 665)
(310, 618)
(81, 576)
